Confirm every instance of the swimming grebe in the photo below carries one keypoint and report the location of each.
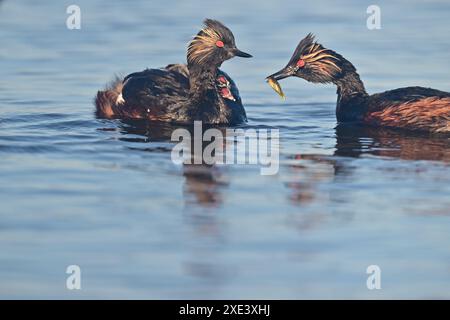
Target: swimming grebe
(180, 93)
(412, 108)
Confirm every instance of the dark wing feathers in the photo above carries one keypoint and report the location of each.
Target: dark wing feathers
(158, 87)
(408, 94)
(155, 90)
(155, 87)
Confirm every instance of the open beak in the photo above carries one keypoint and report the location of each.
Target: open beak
(272, 80)
(239, 53)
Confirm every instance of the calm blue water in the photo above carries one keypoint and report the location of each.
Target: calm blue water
(105, 195)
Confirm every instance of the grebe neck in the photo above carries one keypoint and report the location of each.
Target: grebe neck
(202, 79)
(204, 101)
(351, 93)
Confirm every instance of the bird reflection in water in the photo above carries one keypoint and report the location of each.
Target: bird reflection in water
(355, 141)
(308, 172)
(202, 192)
(203, 182)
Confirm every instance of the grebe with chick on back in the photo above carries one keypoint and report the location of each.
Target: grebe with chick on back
(182, 93)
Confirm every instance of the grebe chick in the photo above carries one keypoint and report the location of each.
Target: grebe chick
(412, 108)
(182, 93)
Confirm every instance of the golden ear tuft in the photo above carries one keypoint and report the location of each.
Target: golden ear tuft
(201, 47)
(321, 58)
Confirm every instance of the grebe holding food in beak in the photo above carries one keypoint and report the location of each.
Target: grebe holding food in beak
(411, 108)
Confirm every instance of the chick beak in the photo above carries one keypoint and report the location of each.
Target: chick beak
(242, 54)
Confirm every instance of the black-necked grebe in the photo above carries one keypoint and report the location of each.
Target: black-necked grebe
(412, 108)
(182, 93)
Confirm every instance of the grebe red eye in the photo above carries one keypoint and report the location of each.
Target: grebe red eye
(219, 44)
(301, 63)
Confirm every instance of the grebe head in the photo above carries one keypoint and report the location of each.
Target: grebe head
(213, 45)
(312, 62)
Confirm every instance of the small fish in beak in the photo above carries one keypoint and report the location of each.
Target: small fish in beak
(276, 86)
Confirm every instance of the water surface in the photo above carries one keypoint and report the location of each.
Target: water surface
(106, 196)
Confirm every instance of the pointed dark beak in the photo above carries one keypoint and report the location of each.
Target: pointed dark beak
(239, 53)
(283, 73)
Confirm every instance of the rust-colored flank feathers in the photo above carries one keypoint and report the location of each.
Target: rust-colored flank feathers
(427, 114)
